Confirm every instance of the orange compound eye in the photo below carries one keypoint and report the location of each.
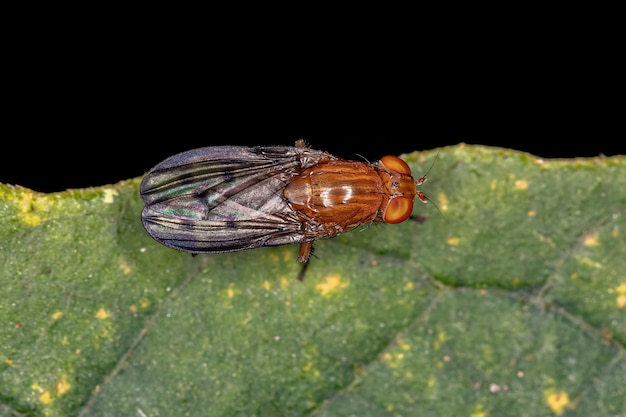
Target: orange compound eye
(398, 210)
(395, 164)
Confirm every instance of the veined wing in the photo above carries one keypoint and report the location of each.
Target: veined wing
(221, 199)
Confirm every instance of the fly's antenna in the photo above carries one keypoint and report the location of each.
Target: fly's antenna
(434, 204)
(431, 166)
(421, 181)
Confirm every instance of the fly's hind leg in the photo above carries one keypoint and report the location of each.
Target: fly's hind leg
(306, 249)
(303, 269)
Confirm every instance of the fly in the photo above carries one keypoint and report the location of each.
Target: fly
(231, 198)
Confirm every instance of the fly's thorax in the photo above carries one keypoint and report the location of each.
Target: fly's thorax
(340, 193)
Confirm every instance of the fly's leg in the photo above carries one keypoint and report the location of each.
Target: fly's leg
(306, 249)
(305, 252)
(303, 269)
(418, 218)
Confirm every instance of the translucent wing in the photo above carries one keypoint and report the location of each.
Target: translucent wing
(225, 198)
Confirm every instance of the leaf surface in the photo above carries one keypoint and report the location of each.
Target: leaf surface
(511, 299)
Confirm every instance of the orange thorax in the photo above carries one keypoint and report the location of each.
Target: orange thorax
(344, 193)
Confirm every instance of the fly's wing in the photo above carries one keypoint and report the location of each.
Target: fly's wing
(224, 198)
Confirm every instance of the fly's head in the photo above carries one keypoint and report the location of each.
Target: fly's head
(400, 188)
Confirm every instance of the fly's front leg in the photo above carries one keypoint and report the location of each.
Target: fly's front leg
(418, 218)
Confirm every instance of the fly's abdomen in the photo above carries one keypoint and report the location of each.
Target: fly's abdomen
(343, 194)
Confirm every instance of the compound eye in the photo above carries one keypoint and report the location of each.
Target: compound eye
(398, 210)
(394, 163)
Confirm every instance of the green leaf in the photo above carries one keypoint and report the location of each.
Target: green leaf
(509, 298)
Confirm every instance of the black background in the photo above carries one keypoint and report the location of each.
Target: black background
(79, 117)
(77, 148)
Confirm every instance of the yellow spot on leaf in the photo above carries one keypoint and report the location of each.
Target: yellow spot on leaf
(521, 184)
(621, 295)
(31, 219)
(31, 208)
(284, 282)
(394, 359)
(332, 284)
(590, 263)
(515, 281)
(478, 411)
(63, 386)
(57, 315)
(441, 337)
(132, 308)
(621, 289)
(307, 367)
(125, 268)
(8, 362)
(453, 241)
(591, 240)
(230, 293)
(431, 382)
(102, 314)
(266, 285)
(109, 195)
(493, 185)
(45, 398)
(442, 201)
(615, 232)
(145, 303)
(573, 275)
(403, 345)
(557, 401)
(532, 213)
